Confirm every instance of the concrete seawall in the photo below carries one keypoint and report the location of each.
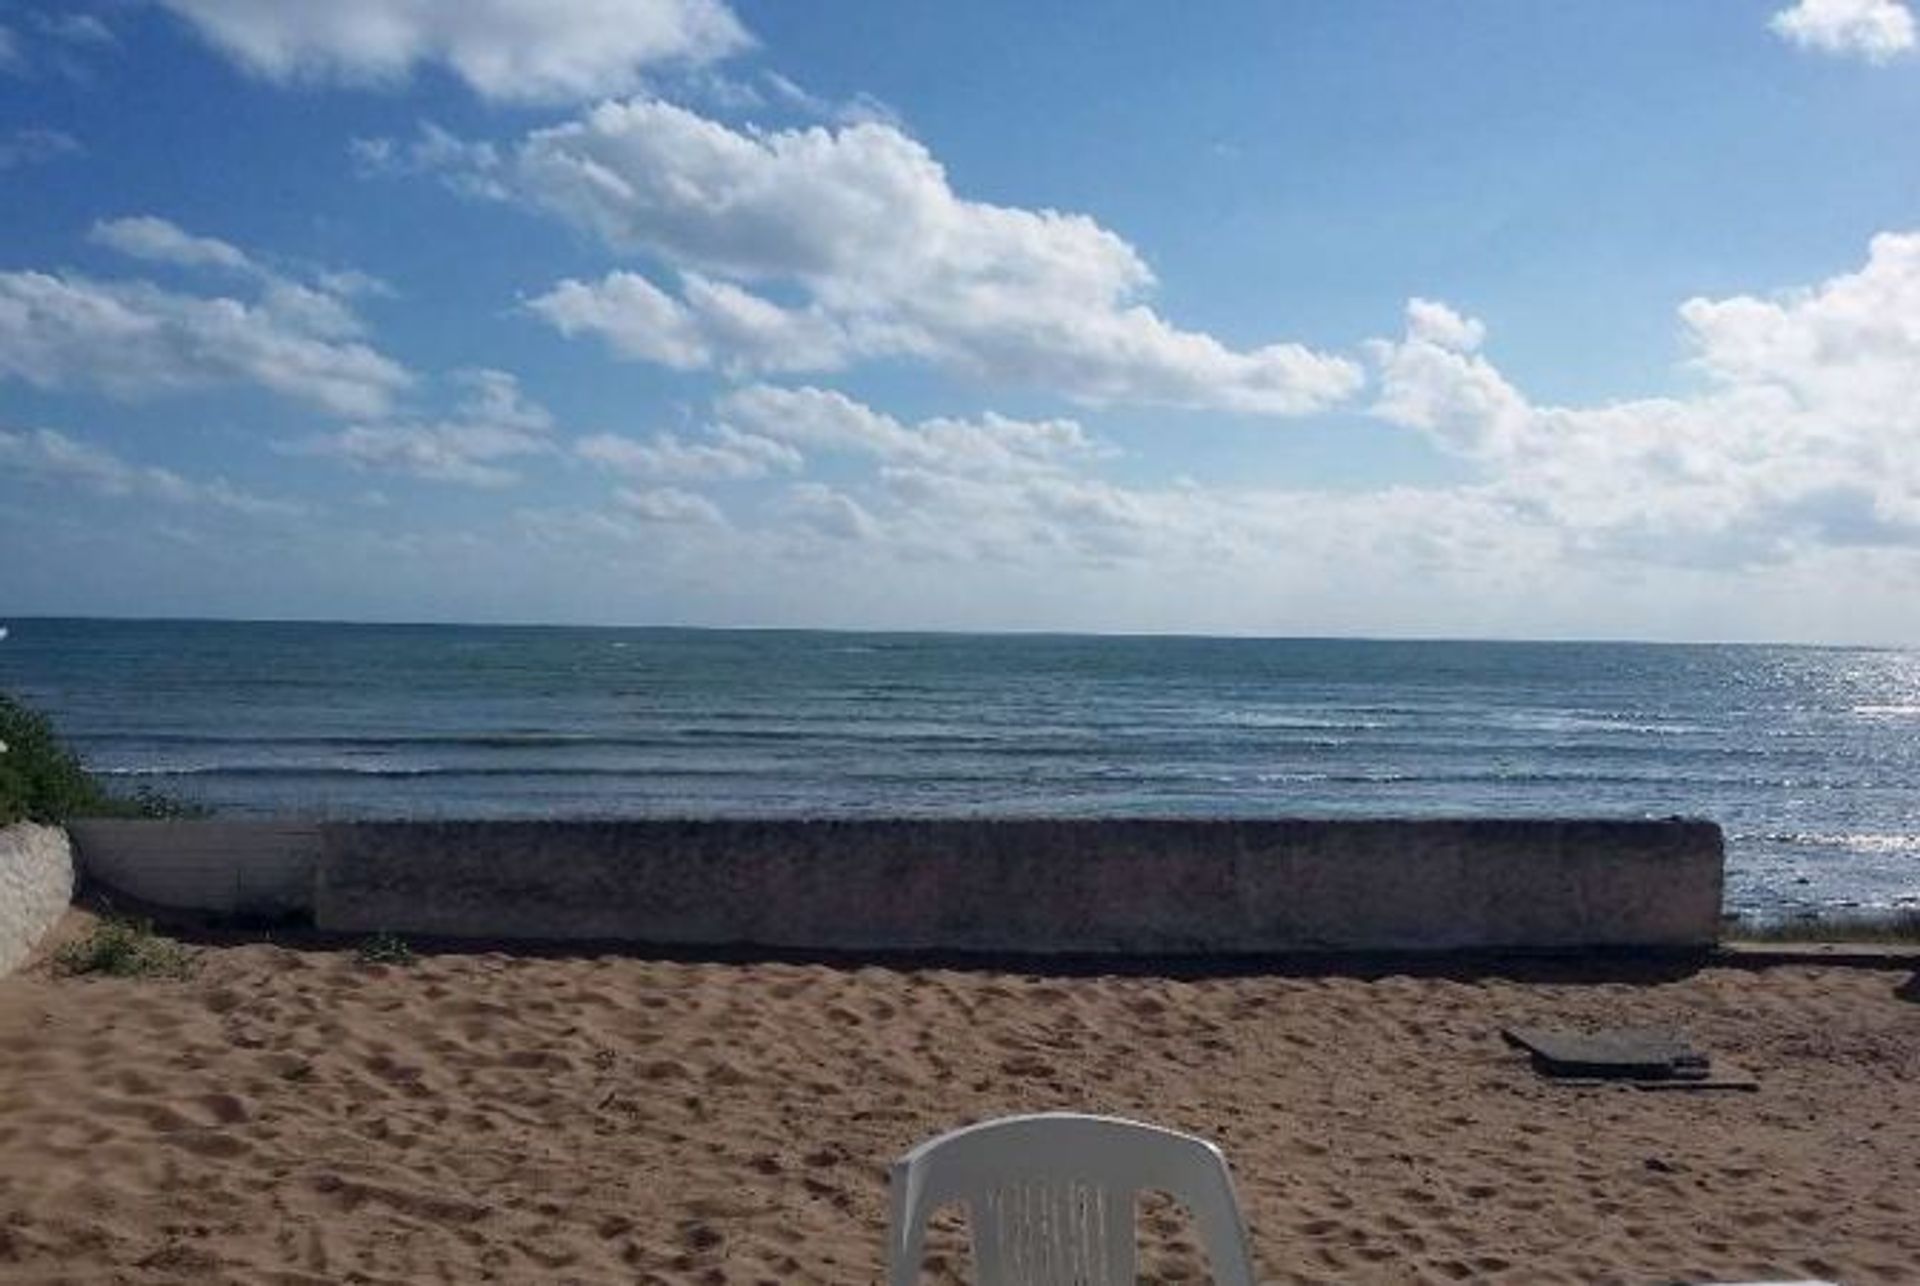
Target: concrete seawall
(1084, 886)
(262, 870)
(36, 887)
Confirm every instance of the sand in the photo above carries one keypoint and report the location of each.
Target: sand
(298, 1116)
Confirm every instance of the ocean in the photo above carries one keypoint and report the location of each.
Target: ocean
(1808, 757)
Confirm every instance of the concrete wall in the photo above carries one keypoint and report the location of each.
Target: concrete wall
(1120, 886)
(36, 886)
(259, 870)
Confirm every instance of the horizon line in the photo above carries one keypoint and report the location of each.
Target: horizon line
(954, 632)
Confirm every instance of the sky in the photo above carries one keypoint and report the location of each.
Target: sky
(1457, 318)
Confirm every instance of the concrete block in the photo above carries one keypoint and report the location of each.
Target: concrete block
(1079, 886)
(36, 887)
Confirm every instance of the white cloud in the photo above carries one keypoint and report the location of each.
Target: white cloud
(31, 146)
(949, 488)
(494, 397)
(465, 166)
(441, 452)
(493, 423)
(1441, 326)
(133, 338)
(824, 511)
(636, 317)
(1802, 437)
(11, 59)
(157, 240)
(321, 309)
(1791, 464)
(514, 50)
(862, 108)
(670, 506)
(828, 420)
(764, 429)
(1435, 382)
(351, 283)
(57, 458)
(861, 225)
(727, 453)
(716, 324)
(1042, 512)
(1872, 29)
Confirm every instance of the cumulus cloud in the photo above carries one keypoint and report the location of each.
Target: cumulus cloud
(824, 511)
(669, 506)
(725, 453)
(942, 487)
(513, 50)
(57, 458)
(1801, 436)
(714, 324)
(466, 166)
(860, 228)
(322, 308)
(1436, 382)
(1793, 452)
(135, 339)
(157, 240)
(1029, 496)
(827, 420)
(298, 338)
(1872, 29)
(494, 422)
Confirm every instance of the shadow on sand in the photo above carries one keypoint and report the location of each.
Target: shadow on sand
(1592, 967)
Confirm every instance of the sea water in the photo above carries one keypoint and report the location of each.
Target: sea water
(1809, 757)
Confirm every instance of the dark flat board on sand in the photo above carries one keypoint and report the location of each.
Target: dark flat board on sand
(1646, 1059)
(1623, 1051)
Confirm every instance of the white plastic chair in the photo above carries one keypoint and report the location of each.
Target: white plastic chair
(1050, 1199)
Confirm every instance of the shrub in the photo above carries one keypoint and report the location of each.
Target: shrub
(386, 948)
(43, 781)
(124, 948)
(40, 779)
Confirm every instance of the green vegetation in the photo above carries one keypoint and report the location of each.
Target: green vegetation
(386, 948)
(1896, 927)
(43, 781)
(40, 779)
(121, 947)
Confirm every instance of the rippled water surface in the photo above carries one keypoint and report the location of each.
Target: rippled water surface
(1810, 758)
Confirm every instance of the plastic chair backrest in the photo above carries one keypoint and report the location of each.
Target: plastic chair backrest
(1050, 1199)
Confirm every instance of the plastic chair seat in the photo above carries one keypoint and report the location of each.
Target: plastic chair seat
(1050, 1199)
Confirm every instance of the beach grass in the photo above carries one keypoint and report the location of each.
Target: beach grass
(124, 947)
(386, 949)
(1895, 927)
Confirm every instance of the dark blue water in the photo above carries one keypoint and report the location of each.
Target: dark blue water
(1810, 758)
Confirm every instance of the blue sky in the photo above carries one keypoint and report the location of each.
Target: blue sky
(1483, 319)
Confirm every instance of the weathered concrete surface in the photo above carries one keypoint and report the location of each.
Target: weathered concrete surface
(1106, 886)
(1092, 886)
(249, 869)
(36, 887)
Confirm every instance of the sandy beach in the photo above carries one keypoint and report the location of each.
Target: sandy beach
(299, 1116)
